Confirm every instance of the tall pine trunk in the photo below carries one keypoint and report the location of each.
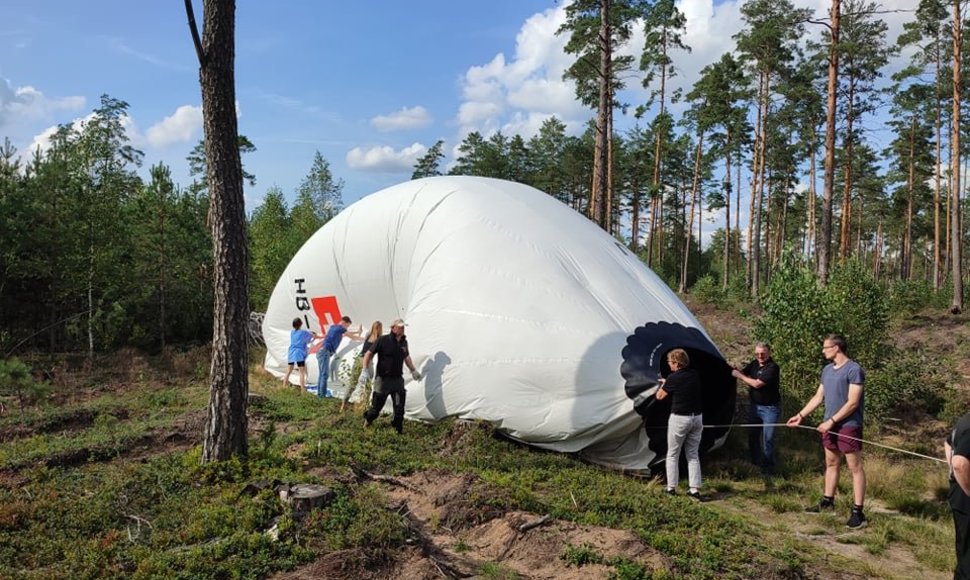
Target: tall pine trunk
(956, 306)
(810, 243)
(695, 188)
(824, 243)
(598, 201)
(937, 179)
(225, 429)
(846, 221)
(725, 275)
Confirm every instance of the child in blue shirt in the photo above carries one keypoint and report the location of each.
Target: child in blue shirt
(300, 340)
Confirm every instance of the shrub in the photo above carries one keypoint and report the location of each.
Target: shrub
(793, 321)
(580, 555)
(737, 290)
(798, 313)
(905, 382)
(17, 381)
(907, 297)
(708, 291)
(859, 311)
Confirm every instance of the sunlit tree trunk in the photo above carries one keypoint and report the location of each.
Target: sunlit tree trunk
(906, 257)
(824, 243)
(758, 186)
(695, 188)
(725, 274)
(737, 212)
(846, 221)
(955, 230)
(937, 178)
(657, 200)
(812, 200)
(877, 254)
(598, 207)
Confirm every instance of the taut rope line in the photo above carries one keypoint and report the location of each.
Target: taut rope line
(810, 428)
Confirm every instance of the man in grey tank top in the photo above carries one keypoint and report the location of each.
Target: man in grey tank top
(841, 390)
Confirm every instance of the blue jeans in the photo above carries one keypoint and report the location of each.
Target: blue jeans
(323, 363)
(761, 440)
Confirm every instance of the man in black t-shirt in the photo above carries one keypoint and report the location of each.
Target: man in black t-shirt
(392, 354)
(957, 448)
(763, 377)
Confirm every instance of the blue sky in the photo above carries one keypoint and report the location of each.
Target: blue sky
(371, 85)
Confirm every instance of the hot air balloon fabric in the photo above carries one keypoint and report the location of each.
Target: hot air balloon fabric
(519, 311)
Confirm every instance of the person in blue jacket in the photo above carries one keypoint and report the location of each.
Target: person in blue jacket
(300, 340)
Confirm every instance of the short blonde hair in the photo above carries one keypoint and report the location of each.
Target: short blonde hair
(679, 356)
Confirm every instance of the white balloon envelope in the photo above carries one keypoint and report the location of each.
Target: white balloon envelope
(520, 312)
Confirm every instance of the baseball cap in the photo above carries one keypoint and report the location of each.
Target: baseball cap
(397, 322)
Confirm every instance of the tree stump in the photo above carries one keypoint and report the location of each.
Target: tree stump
(304, 497)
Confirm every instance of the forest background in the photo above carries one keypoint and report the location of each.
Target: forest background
(98, 257)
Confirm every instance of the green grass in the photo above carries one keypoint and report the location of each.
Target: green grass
(162, 515)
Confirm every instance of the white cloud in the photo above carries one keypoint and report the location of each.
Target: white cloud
(516, 94)
(406, 118)
(26, 102)
(40, 142)
(385, 159)
(179, 127)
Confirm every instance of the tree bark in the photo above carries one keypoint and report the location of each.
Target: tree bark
(906, 257)
(810, 243)
(657, 157)
(695, 187)
(846, 218)
(725, 275)
(758, 187)
(225, 430)
(824, 243)
(937, 178)
(956, 306)
(600, 153)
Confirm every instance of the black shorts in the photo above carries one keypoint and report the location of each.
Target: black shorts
(299, 363)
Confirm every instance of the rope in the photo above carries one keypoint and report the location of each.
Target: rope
(810, 428)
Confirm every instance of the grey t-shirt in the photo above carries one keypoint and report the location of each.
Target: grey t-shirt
(836, 383)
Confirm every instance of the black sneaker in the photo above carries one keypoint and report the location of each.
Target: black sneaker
(857, 520)
(671, 491)
(821, 506)
(696, 495)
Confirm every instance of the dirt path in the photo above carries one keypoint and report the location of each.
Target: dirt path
(895, 562)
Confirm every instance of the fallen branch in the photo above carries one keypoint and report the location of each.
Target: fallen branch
(360, 473)
(534, 523)
(449, 566)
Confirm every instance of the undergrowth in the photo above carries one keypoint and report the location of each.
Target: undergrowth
(158, 513)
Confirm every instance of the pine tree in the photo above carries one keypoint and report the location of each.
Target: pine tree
(429, 164)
